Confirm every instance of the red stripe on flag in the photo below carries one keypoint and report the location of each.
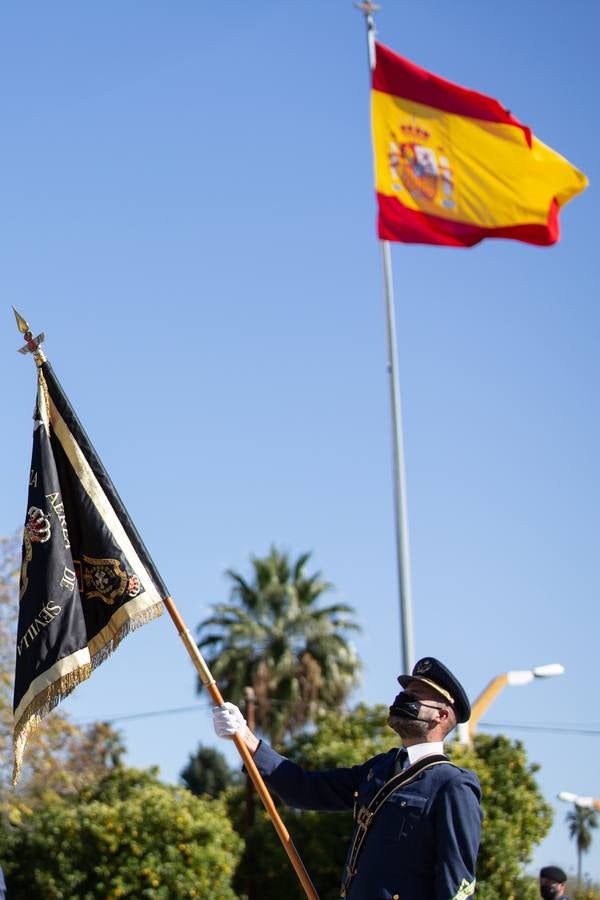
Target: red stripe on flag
(408, 226)
(398, 76)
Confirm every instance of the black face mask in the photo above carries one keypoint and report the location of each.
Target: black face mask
(549, 891)
(406, 705)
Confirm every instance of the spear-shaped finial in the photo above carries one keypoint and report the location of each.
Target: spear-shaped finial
(32, 344)
(21, 323)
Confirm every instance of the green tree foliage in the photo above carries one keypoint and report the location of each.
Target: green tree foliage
(588, 891)
(275, 636)
(581, 821)
(79, 826)
(129, 836)
(207, 773)
(515, 814)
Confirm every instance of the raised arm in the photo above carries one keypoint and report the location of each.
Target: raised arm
(332, 789)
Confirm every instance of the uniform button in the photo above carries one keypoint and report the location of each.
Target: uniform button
(402, 803)
(356, 793)
(396, 897)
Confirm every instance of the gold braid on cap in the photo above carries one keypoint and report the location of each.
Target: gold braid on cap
(436, 687)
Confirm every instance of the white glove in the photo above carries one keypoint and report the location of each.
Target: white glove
(228, 720)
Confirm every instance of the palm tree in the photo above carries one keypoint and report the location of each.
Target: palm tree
(581, 820)
(275, 637)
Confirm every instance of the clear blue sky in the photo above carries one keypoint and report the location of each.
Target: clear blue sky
(188, 213)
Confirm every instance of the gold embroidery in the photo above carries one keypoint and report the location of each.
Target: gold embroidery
(103, 579)
(465, 890)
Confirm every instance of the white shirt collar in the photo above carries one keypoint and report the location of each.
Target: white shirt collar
(418, 751)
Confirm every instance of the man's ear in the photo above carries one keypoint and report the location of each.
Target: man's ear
(445, 719)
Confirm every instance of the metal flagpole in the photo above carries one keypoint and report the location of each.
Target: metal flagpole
(32, 345)
(400, 509)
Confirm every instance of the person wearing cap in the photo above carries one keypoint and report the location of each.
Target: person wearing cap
(553, 883)
(417, 817)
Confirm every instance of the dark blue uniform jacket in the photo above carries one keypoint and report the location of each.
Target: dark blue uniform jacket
(423, 843)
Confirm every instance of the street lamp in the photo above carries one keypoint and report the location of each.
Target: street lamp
(586, 802)
(515, 679)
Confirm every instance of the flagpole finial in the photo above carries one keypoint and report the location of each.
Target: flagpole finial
(32, 344)
(368, 8)
(22, 325)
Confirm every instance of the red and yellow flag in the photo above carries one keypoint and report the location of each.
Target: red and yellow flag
(452, 166)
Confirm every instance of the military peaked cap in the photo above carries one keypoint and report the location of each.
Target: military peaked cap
(434, 673)
(553, 873)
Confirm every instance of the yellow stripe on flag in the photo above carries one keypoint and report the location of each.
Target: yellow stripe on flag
(464, 169)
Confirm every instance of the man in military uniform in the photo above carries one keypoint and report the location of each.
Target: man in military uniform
(553, 882)
(417, 816)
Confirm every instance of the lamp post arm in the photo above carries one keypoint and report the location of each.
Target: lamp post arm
(484, 700)
(588, 803)
(585, 802)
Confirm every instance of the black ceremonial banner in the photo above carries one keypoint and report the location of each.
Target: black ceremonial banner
(86, 577)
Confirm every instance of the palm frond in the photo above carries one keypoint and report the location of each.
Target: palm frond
(275, 635)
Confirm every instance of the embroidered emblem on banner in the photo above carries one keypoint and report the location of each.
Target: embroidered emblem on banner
(133, 586)
(38, 525)
(103, 579)
(424, 171)
(37, 531)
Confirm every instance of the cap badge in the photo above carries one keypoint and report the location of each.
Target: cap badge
(424, 665)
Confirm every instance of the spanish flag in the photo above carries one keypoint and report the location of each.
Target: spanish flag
(453, 166)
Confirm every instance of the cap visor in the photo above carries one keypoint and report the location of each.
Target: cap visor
(405, 680)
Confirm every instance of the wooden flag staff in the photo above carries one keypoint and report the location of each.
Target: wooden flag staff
(32, 345)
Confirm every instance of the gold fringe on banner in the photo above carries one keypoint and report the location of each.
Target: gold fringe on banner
(61, 685)
(40, 706)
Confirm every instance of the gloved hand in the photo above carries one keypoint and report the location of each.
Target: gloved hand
(228, 720)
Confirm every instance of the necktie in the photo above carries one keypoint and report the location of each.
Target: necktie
(401, 760)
